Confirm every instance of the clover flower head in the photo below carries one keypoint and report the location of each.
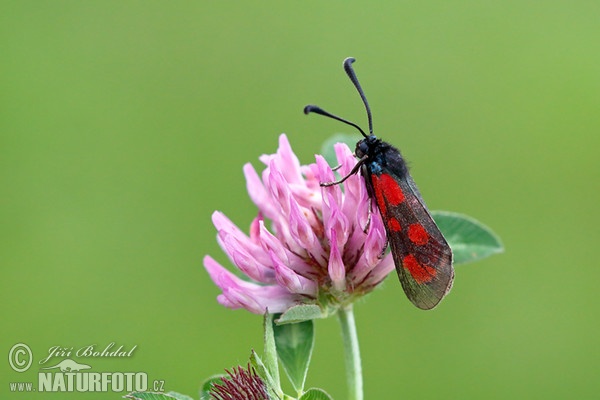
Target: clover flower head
(308, 244)
(242, 383)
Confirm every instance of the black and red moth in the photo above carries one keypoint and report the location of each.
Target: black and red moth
(422, 256)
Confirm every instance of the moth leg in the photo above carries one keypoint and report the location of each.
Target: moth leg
(352, 172)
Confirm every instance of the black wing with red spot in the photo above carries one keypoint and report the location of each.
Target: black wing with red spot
(422, 256)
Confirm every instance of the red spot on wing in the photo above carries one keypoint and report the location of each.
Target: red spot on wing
(391, 190)
(386, 191)
(379, 193)
(394, 224)
(417, 234)
(420, 273)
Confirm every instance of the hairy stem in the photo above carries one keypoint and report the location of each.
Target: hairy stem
(351, 353)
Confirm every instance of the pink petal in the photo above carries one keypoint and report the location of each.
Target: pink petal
(325, 174)
(354, 186)
(255, 229)
(333, 217)
(279, 189)
(378, 274)
(374, 245)
(257, 191)
(302, 231)
(367, 219)
(258, 301)
(241, 294)
(272, 244)
(287, 161)
(250, 266)
(282, 199)
(336, 269)
(293, 282)
(339, 224)
(226, 229)
(345, 158)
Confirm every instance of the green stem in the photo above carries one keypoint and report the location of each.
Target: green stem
(351, 353)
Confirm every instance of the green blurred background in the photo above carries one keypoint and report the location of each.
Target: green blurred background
(123, 125)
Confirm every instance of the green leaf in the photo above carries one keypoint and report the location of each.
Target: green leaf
(327, 150)
(469, 239)
(294, 346)
(207, 386)
(299, 313)
(273, 388)
(316, 394)
(270, 350)
(259, 366)
(179, 396)
(153, 396)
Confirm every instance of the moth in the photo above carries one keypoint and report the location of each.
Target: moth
(421, 254)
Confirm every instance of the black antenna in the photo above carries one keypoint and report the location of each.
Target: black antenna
(352, 75)
(317, 110)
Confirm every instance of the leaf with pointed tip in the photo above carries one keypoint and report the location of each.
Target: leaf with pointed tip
(294, 344)
(270, 352)
(469, 239)
(316, 394)
(207, 386)
(179, 396)
(273, 388)
(259, 367)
